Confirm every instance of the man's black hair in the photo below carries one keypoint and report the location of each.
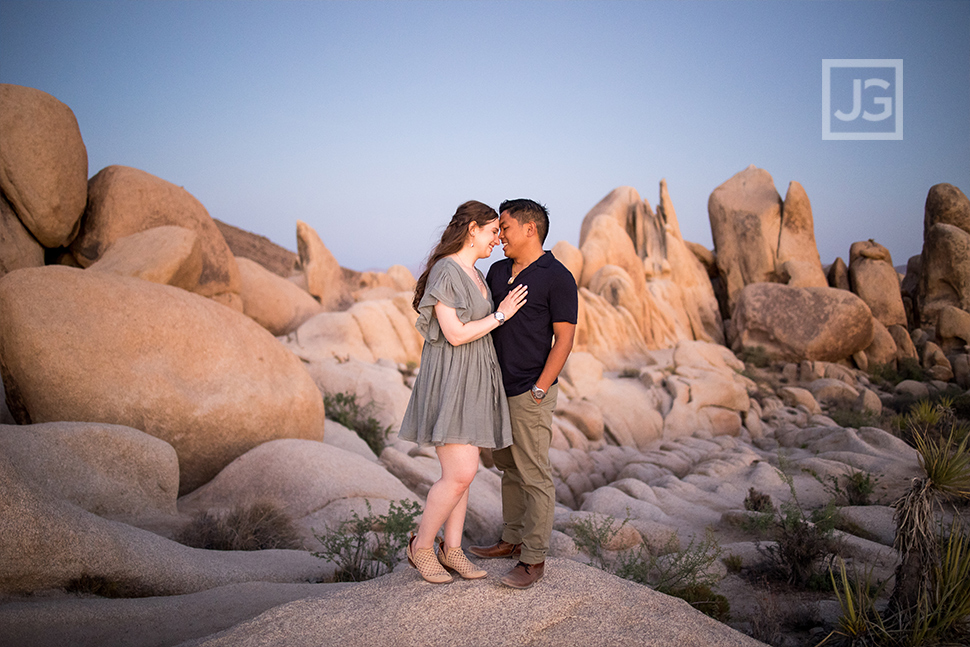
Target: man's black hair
(525, 210)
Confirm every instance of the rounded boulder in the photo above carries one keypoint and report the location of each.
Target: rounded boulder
(43, 163)
(124, 201)
(95, 347)
(793, 324)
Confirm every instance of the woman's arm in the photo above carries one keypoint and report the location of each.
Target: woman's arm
(458, 333)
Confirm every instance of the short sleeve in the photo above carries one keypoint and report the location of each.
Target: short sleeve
(564, 301)
(445, 285)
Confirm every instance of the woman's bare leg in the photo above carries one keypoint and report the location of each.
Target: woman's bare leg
(459, 464)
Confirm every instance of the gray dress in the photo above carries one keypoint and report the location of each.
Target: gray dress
(458, 396)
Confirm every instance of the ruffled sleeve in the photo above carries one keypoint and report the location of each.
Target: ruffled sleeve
(445, 284)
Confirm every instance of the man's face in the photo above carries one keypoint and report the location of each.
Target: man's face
(512, 234)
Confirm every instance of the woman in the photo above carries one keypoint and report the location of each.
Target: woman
(458, 401)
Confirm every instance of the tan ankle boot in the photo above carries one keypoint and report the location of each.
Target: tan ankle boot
(427, 564)
(454, 558)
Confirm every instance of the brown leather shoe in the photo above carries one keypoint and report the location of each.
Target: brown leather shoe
(524, 575)
(500, 549)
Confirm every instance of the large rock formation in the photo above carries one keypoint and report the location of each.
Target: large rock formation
(274, 303)
(800, 323)
(576, 604)
(18, 248)
(874, 279)
(758, 238)
(945, 262)
(640, 264)
(168, 255)
(84, 346)
(244, 244)
(797, 255)
(124, 201)
(57, 543)
(324, 276)
(43, 163)
(112, 471)
(317, 484)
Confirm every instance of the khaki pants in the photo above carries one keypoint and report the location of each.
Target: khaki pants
(528, 493)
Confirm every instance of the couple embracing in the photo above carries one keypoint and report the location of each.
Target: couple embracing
(494, 347)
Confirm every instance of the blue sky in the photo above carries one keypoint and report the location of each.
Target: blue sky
(373, 120)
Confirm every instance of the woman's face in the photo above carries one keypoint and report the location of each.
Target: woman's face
(485, 237)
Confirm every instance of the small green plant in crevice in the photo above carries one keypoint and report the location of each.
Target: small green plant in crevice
(630, 372)
(853, 419)
(345, 409)
(802, 541)
(104, 587)
(260, 525)
(733, 563)
(907, 368)
(367, 547)
(855, 487)
(756, 356)
(758, 501)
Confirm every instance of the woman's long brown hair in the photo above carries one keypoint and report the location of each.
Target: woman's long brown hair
(452, 239)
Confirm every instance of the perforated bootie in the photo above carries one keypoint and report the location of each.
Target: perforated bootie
(454, 558)
(427, 564)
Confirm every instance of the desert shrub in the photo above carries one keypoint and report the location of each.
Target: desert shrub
(907, 368)
(367, 547)
(345, 409)
(733, 562)
(674, 570)
(758, 501)
(630, 372)
(854, 419)
(104, 587)
(592, 535)
(802, 540)
(260, 525)
(757, 356)
(855, 487)
(705, 600)
(684, 573)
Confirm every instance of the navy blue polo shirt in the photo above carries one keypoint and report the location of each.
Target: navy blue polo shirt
(523, 342)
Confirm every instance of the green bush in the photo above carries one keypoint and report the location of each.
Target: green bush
(367, 547)
(705, 600)
(855, 487)
(592, 536)
(757, 356)
(261, 525)
(758, 501)
(802, 541)
(854, 419)
(344, 408)
(733, 562)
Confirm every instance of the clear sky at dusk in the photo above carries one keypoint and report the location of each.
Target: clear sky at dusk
(372, 121)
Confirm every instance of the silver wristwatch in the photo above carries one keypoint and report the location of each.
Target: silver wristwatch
(538, 393)
(500, 316)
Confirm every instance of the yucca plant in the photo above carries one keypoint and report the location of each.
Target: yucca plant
(860, 624)
(921, 584)
(943, 614)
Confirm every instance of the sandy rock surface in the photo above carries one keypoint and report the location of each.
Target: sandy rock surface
(573, 604)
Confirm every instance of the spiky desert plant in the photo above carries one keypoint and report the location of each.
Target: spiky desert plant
(860, 624)
(946, 464)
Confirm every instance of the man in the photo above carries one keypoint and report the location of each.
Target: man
(532, 348)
